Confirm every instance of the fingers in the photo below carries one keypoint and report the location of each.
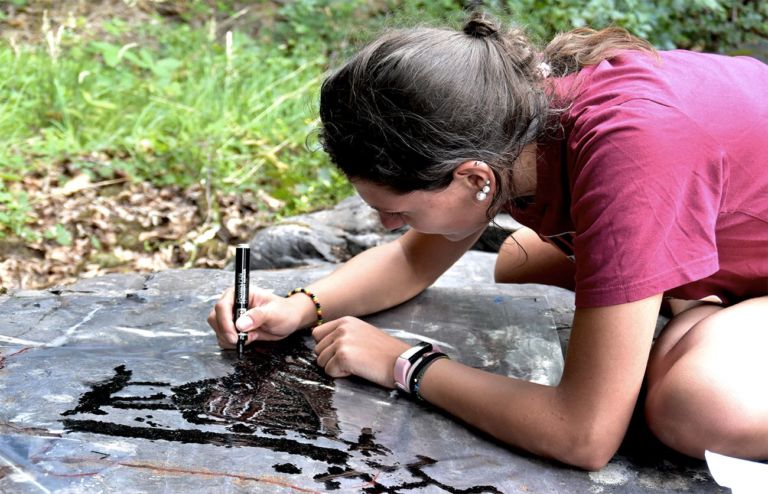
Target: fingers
(263, 321)
(350, 346)
(320, 332)
(335, 367)
(220, 319)
(223, 342)
(332, 336)
(259, 314)
(332, 354)
(325, 336)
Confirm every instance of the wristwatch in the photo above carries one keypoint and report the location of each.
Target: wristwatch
(407, 359)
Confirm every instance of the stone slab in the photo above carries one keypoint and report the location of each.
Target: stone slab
(116, 385)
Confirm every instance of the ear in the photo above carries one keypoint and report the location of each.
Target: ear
(475, 174)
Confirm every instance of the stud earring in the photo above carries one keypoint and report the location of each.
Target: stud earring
(482, 194)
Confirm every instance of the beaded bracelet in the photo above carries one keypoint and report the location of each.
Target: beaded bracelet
(420, 368)
(318, 308)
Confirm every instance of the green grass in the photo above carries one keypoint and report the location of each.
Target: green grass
(174, 107)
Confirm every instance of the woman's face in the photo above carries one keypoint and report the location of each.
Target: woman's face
(453, 212)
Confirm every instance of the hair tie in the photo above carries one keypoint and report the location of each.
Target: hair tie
(480, 26)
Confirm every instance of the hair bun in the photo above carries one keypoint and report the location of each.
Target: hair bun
(481, 26)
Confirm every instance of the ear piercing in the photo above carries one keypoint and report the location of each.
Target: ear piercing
(482, 194)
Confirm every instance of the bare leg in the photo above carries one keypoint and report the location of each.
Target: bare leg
(525, 258)
(706, 381)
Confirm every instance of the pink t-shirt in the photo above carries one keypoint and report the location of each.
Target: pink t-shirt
(661, 182)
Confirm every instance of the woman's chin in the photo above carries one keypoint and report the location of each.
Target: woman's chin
(458, 236)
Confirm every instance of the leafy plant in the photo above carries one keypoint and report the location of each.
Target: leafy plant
(709, 25)
(15, 214)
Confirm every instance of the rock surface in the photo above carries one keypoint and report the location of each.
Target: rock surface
(115, 384)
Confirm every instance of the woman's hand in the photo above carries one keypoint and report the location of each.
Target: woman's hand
(349, 346)
(269, 317)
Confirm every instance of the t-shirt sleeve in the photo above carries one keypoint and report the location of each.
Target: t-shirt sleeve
(646, 192)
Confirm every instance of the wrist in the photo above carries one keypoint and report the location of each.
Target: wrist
(405, 361)
(307, 305)
(303, 308)
(420, 368)
(410, 364)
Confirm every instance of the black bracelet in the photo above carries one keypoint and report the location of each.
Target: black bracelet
(420, 368)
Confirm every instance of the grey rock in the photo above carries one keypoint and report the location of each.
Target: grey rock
(116, 384)
(333, 235)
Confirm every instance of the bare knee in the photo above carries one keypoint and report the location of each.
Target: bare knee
(692, 417)
(706, 392)
(526, 258)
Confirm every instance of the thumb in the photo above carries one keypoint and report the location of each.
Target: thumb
(259, 324)
(251, 320)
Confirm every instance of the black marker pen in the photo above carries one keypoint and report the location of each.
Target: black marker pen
(242, 272)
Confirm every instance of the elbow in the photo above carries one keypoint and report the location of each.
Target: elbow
(590, 460)
(591, 451)
(588, 439)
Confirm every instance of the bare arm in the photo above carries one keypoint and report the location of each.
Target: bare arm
(384, 276)
(582, 420)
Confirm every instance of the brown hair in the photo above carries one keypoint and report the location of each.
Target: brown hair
(412, 105)
(571, 51)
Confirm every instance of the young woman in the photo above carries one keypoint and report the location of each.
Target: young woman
(643, 177)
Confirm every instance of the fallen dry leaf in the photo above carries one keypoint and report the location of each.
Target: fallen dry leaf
(87, 230)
